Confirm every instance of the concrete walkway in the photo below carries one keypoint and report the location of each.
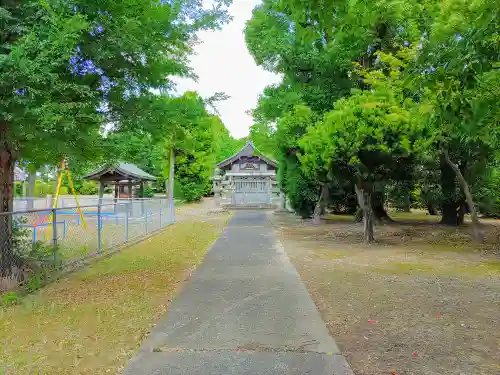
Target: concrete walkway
(245, 311)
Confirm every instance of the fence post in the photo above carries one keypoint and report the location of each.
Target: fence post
(146, 216)
(126, 224)
(54, 236)
(99, 226)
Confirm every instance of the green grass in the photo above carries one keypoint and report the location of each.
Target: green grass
(416, 215)
(93, 321)
(489, 268)
(328, 254)
(398, 268)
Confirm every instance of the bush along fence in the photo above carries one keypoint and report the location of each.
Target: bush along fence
(35, 243)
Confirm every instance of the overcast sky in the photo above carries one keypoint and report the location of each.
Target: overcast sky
(224, 64)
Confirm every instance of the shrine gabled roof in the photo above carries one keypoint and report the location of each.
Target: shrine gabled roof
(247, 150)
(125, 171)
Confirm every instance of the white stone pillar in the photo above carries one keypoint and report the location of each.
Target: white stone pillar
(270, 190)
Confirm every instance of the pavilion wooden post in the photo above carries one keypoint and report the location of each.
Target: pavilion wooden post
(141, 195)
(130, 196)
(130, 192)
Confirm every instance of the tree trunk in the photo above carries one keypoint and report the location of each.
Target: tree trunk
(7, 162)
(450, 204)
(377, 204)
(462, 210)
(477, 236)
(358, 216)
(449, 213)
(319, 210)
(365, 202)
(368, 220)
(31, 188)
(431, 210)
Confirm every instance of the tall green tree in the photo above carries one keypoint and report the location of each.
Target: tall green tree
(301, 190)
(366, 135)
(313, 44)
(68, 68)
(263, 136)
(225, 145)
(457, 69)
(452, 75)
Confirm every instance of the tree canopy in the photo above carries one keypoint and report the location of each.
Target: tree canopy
(403, 100)
(75, 73)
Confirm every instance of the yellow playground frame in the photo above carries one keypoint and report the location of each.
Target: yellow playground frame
(65, 170)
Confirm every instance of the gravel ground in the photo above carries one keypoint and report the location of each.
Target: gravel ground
(422, 300)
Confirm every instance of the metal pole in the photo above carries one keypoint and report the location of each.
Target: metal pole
(146, 216)
(54, 235)
(99, 226)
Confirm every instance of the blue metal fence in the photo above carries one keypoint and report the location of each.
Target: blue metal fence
(62, 232)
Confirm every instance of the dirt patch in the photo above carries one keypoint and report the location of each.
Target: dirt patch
(206, 209)
(422, 300)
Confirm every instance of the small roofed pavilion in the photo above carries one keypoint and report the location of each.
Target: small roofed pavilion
(121, 175)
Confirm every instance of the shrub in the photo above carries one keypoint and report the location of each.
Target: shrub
(301, 191)
(43, 188)
(88, 188)
(148, 193)
(192, 192)
(18, 189)
(487, 194)
(178, 191)
(38, 259)
(10, 299)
